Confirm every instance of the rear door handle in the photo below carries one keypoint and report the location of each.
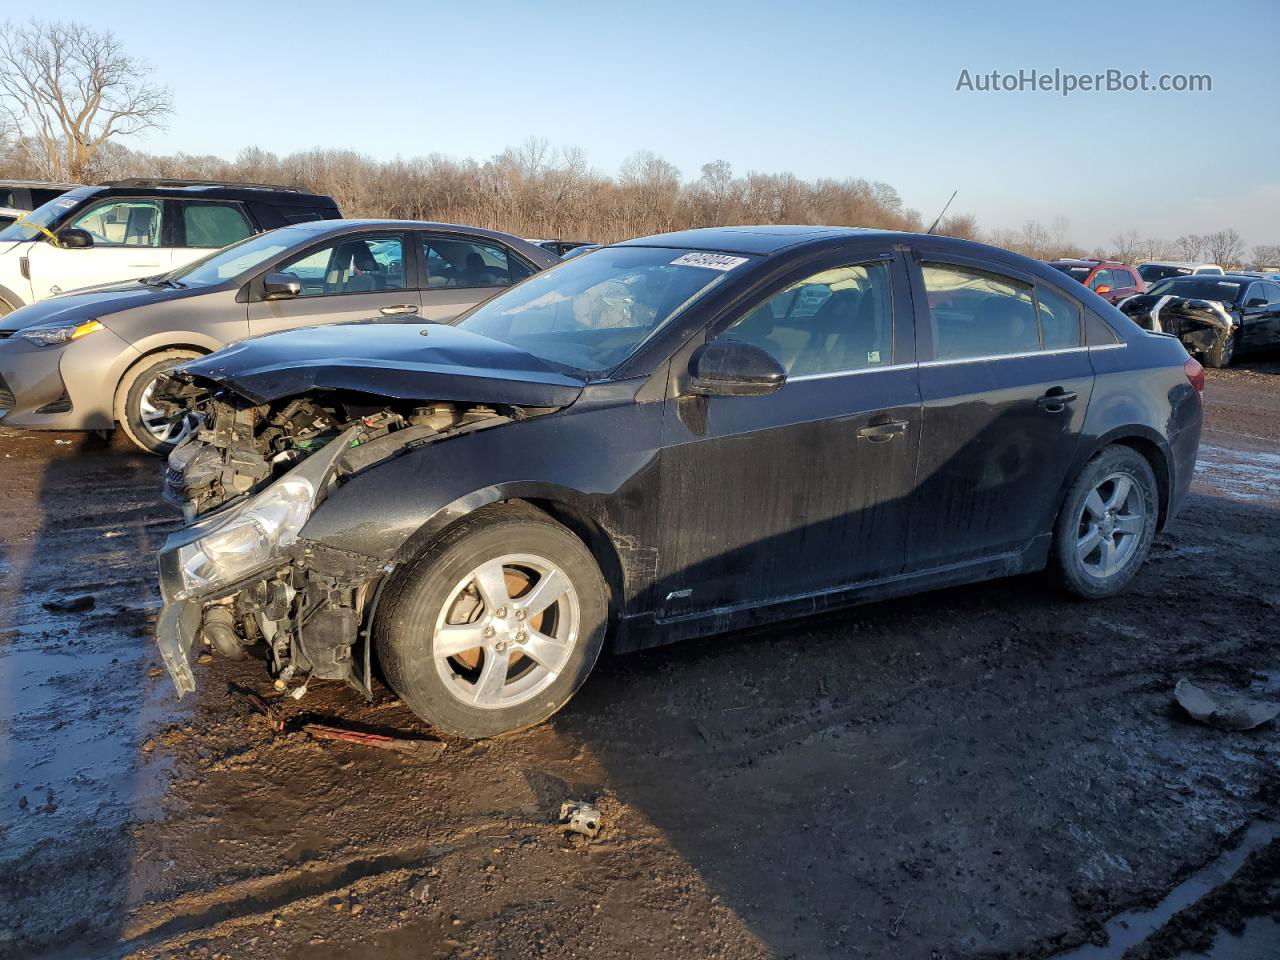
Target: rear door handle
(399, 310)
(1053, 402)
(883, 432)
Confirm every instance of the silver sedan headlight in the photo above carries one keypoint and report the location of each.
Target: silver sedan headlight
(249, 538)
(62, 333)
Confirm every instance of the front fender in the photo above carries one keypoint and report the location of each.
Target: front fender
(601, 464)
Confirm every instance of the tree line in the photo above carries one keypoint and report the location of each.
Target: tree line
(70, 93)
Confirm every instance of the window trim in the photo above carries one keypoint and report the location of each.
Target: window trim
(254, 287)
(424, 275)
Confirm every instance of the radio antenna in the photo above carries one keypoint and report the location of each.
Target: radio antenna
(944, 212)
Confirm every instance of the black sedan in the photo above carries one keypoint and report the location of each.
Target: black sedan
(671, 437)
(1216, 317)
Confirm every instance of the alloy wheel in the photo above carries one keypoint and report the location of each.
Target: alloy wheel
(506, 631)
(1110, 526)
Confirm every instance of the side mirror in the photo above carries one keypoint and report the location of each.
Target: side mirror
(731, 368)
(73, 238)
(1102, 289)
(1256, 302)
(281, 286)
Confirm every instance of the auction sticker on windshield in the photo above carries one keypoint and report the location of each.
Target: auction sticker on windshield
(712, 261)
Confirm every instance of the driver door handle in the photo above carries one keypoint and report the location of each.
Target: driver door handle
(399, 310)
(1056, 402)
(883, 432)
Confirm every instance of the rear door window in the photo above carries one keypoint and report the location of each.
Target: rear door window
(973, 313)
(463, 262)
(1059, 319)
(210, 224)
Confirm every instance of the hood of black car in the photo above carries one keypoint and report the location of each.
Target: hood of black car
(404, 361)
(91, 303)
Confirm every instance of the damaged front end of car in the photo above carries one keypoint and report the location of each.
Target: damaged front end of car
(242, 576)
(1201, 325)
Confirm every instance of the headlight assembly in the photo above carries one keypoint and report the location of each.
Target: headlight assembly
(64, 333)
(248, 538)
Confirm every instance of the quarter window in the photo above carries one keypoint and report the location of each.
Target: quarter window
(214, 224)
(977, 314)
(122, 223)
(1059, 320)
(839, 319)
(353, 265)
(454, 262)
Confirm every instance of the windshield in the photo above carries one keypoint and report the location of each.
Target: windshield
(47, 215)
(229, 262)
(1151, 272)
(590, 313)
(1198, 288)
(1076, 273)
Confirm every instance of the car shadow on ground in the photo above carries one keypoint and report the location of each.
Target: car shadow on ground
(981, 770)
(76, 699)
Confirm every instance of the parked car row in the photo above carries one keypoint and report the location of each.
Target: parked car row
(89, 360)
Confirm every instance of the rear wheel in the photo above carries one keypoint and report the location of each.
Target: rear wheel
(496, 626)
(1106, 524)
(141, 420)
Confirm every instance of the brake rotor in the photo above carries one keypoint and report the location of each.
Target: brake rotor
(468, 606)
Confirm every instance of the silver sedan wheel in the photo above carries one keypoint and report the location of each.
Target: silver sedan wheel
(1110, 526)
(159, 424)
(506, 631)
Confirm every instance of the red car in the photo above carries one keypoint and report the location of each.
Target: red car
(1108, 279)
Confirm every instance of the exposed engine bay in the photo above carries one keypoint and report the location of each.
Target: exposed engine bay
(233, 476)
(236, 447)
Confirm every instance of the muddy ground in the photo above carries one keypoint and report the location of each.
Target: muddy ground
(992, 771)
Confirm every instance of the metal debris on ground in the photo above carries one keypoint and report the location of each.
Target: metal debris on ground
(418, 748)
(578, 816)
(69, 604)
(1226, 711)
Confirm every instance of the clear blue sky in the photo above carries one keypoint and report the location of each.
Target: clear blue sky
(824, 89)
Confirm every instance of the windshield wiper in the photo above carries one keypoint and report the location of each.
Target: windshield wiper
(160, 280)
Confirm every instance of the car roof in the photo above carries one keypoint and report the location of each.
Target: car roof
(253, 192)
(753, 241)
(324, 228)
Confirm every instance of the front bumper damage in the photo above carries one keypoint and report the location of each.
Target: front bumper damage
(1199, 324)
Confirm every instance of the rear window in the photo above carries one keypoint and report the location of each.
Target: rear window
(1072, 271)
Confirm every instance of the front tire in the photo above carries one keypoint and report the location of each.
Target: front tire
(1106, 524)
(1223, 352)
(140, 420)
(496, 625)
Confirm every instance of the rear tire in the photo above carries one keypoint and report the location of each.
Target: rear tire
(1223, 352)
(133, 411)
(459, 646)
(1106, 524)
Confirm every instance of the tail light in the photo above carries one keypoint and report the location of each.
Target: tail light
(1195, 373)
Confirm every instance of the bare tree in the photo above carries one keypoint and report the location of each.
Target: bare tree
(72, 89)
(1190, 247)
(1128, 246)
(1225, 247)
(1266, 255)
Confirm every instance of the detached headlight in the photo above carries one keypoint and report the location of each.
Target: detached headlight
(249, 538)
(52, 336)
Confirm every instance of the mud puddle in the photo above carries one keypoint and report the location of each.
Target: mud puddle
(1133, 927)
